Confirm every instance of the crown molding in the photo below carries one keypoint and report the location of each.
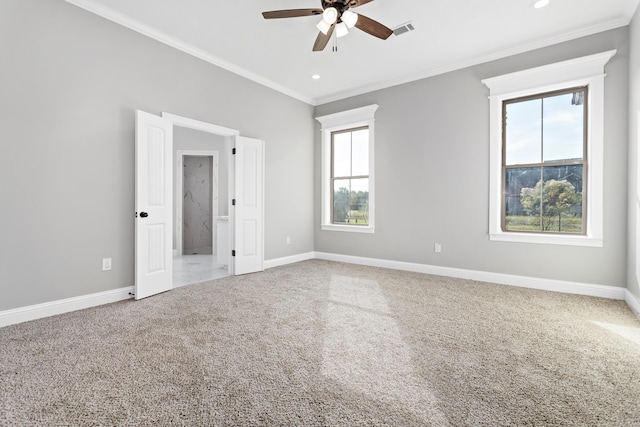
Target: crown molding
(538, 44)
(154, 33)
(135, 25)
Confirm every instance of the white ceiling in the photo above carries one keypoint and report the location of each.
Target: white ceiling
(449, 34)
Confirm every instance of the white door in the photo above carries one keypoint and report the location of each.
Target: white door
(249, 206)
(153, 204)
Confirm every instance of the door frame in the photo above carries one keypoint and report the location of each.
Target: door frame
(229, 135)
(179, 195)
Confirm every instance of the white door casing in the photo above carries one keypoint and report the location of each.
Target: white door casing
(153, 205)
(249, 205)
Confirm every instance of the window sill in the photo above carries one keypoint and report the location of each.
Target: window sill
(550, 239)
(348, 228)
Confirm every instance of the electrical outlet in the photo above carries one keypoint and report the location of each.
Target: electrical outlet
(106, 264)
(288, 240)
(437, 247)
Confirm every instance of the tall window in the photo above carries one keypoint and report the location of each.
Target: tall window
(348, 196)
(350, 176)
(547, 143)
(544, 145)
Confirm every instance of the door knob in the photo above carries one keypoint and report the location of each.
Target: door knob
(143, 214)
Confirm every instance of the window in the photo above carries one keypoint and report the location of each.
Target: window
(547, 144)
(347, 170)
(544, 142)
(350, 176)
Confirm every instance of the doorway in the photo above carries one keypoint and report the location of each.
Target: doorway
(198, 188)
(196, 200)
(155, 192)
(197, 220)
(201, 192)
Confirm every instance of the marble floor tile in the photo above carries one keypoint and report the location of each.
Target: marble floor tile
(190, 269)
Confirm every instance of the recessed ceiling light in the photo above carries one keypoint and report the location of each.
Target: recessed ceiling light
(315, 76)
(539, 4)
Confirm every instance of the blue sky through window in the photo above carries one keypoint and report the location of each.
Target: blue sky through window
(543, 130)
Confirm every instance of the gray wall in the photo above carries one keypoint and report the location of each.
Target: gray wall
(633, 276)
(432, 174)
(70, 82)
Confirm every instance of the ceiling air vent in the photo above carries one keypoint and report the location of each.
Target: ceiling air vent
(404, 28)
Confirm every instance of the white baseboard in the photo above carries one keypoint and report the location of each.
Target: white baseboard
(33, 312)
(611, 292)
(633, 302)
(38, 311)
(277, 262)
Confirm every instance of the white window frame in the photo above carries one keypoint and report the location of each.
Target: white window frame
(344, 120)
(584, 71)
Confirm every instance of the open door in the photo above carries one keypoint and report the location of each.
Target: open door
(249, 206)
(153, 204)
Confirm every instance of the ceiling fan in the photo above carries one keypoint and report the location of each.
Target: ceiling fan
(336, 14)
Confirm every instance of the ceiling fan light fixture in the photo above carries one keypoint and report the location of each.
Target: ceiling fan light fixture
(349, 18)
(341, 30)
(323, 26)
(330, 15)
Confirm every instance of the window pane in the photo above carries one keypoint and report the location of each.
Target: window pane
(563, 127)
(521, 216)
(342, 154)
(360, 152)
(523, 143)
(351, 201)
(551, 202)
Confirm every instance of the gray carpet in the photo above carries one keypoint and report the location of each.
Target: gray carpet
(328, 344)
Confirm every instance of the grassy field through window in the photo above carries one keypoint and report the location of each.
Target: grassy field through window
(568, 224)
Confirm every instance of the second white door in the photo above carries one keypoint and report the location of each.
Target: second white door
(249, 206)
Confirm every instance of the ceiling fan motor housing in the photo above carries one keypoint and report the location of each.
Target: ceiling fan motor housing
(340, 5)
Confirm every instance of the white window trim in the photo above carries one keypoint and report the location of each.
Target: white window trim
(584, 71)
(358, 117)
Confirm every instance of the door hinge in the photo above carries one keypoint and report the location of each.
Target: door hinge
(233, 202)
(233, 252)
(233, 151)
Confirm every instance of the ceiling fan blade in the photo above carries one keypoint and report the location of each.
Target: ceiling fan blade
(358, 3)
(291, 13)
(323, 39)
(372, 27)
